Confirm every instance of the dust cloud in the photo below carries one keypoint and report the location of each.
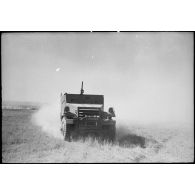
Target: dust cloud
(48, 118)
(154, 97)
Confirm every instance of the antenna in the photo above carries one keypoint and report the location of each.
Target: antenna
(82, 91)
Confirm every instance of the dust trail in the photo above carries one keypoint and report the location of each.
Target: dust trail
(48, 117)
(163, 142)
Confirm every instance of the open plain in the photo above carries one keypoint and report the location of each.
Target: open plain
(23, 141)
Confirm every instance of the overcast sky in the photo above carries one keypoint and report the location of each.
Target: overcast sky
(140, 74)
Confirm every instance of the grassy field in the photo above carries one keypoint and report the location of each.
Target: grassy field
(24, 142)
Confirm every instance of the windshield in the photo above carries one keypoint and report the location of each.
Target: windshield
(84, 99)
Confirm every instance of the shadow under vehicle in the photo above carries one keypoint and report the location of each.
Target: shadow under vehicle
(84, 116)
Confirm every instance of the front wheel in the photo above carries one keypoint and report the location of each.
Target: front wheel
(110, 133)
(66, 131)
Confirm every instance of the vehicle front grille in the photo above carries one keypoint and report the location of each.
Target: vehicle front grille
(88, 112)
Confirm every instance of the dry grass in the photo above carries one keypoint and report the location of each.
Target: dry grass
(24, 142)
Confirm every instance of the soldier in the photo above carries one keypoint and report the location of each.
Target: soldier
(68, 114)
(111, 111)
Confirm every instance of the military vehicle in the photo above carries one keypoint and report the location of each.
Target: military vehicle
(83, 116)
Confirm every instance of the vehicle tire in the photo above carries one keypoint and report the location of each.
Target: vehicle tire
(112, 133)
(67, 136)
(65, 130)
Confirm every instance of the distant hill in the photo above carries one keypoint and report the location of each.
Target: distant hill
(20, 105)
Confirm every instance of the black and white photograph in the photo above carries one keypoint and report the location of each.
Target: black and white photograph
(97, 97)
